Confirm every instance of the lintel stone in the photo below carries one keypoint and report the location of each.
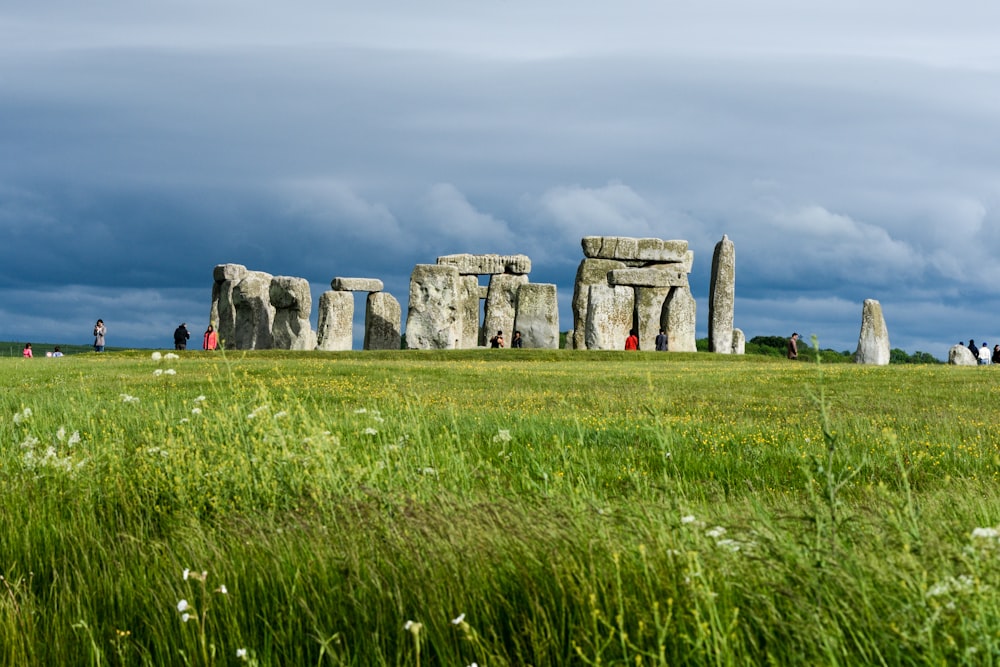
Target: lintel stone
(357, 285)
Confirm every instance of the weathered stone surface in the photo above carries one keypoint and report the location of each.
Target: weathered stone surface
(291, 299)
(739, 342)
(590, 272)
(433, 318)
(382, 322)
(468, 298)
(491, 264)
(681, 312)
(501, 303)
(335, 329)
(610, 316)
(356, 285)
(233, 272)
(873, 341)
(650, 311)
(722, 297)
(484, 291)
(960, 355)
(627, 248)
(537, 316)
(651, 276)
(254, 313)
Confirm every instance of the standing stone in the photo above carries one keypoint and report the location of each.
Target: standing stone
(873, 341)
(468, 297)
(650, 306)
(960, 355)
(223, 312)
(501, 302)
(335, 329)
(610, 316)
(739, 342)
(721, 298)
(382, 320)
(434, 317)
(680, 320)
(590, 272)
(292, 302)
(537, 316)
(254, 313)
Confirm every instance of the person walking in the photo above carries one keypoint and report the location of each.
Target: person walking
(210, 340)
(661, 341)
(793, 346)
(181, 336)
(632, 342)
(99, 331)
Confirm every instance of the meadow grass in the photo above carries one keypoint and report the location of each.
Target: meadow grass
(497, 507)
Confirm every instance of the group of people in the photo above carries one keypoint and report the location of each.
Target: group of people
(27, 352)
(660, 343)
(515, 342)
(209, 341)
(984, 355)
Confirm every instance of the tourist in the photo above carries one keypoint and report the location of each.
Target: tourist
(661, 341)
(27, 351)
(57, 352)
(99, 331)
(632, 342)
(996, 354)
(497, 341)
(984, 355)
(973, 349)
(793, 346)
(181, 337)
(210, 340)
(517, 341)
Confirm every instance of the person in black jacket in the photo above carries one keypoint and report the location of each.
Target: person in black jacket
(517, 341)
(181, 336)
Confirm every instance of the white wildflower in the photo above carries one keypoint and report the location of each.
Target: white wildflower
(21, 416)
(185, 617)
(503, 435)
(986, 533)
(428, 471)
(74, 439)
(688, 519)
(61, 434)
(718, 531)
(183, 604)
(256, 411)
(156, 356)
(126, 398)
(196, 411)
(280, 413)
(361, 411)
(185, 420)
(727, 543)
(458, 620)
(370, 431)
(170, 355)
(186, 573)
(158, 372)
(170, 371)
(200, 399)
(222, 589)
(241, 653)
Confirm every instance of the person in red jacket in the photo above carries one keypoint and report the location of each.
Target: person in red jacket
(211, 339)
(632, 342)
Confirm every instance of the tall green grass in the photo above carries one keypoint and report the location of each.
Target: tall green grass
(498, 507)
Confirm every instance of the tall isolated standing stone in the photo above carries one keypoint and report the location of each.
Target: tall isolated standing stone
(873, 341)
(721, 298)
(335, 329)
(382, 320)
(434, 317)
(537, 315)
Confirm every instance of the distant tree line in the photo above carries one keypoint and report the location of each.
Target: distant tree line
(776, 346)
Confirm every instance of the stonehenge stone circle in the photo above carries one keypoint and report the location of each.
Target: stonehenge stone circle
(434, 316)
(356, 285)
(335, 330)
(291, 299)
(487, 264)
(382, 320)
(648, 277)
(960, 355)
(626, 248)
(873, 341)
(721, 298)
(537, 315)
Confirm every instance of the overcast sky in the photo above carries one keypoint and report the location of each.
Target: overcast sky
(849, 149)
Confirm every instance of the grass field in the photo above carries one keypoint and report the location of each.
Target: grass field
(496, 507)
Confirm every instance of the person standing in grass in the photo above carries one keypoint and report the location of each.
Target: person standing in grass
(984, 355)
(793, 346)
(99, 331)
(181, 336)
(661, 341)
(973, 349)
(27, 351)
(632, 342)
(211, 339)
(497, 341)
(517, 341)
